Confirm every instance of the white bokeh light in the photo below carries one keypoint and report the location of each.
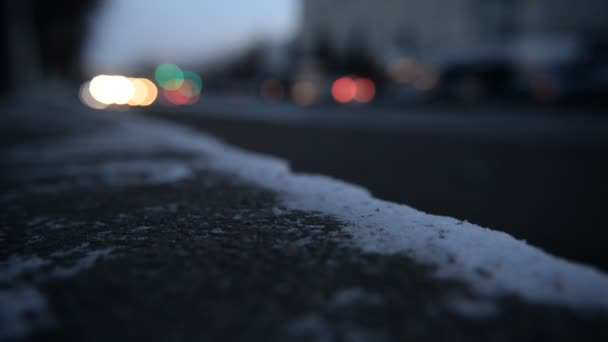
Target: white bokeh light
(111, 89)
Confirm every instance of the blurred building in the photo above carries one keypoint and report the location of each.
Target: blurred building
(438, 28)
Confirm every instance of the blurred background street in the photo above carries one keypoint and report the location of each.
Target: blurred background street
(496, 116)
(493, 112)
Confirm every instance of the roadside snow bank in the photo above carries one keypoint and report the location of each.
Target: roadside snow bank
(22, 309)
(494, 263)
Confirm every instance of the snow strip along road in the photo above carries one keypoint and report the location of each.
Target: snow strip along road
(493, 263)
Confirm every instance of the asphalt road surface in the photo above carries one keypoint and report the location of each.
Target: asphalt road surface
(540, 176)
(96, 247)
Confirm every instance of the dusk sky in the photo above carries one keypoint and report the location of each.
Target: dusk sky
(126, 33)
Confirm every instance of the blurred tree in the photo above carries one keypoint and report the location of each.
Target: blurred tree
(62, 27)
(20, 57)
(42, 39)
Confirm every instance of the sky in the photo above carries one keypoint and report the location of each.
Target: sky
(126, 33)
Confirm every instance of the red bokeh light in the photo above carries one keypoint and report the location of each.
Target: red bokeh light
(175, 97)
(184, 95)
(365, 90)
(344, 90)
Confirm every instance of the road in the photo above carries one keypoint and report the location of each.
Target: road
(538, 176)
(114, 228)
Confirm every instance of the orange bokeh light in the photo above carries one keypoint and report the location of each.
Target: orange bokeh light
(344, 90)
(151, 92)
(304, 93)
(140, 94)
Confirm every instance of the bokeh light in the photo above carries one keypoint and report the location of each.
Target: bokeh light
(344, 90)
(195, 81)
(100, 88)
(169, 76)
(145, 92)
(402, 70)
(111, 89)
(427, 78)
(304, 93)
(87, 99)
(105, 90)
(366, 90)
(179, 87)
(151, 93)
(122, 90)
(187, 94)
(140, 94)
(175, 97)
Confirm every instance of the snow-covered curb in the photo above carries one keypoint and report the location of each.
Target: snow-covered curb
(494, 263)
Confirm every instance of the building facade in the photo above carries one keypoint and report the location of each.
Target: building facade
(430, 28)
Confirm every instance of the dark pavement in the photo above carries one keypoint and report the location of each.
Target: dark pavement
(537, 176)
(203, 256)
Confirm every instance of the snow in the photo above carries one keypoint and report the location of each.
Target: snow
(22, 309)
(492, 262)
(117, 172)
(15, 266)
(309, 327)
(473, 308)
(86, 262)
(355, 295)
(276, 211)
(79, 249)
(303, 242)
(140, 229)
(154, 172)
(316, 327)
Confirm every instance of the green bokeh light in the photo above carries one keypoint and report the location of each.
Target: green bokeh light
(195, 80)
(169, 76)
